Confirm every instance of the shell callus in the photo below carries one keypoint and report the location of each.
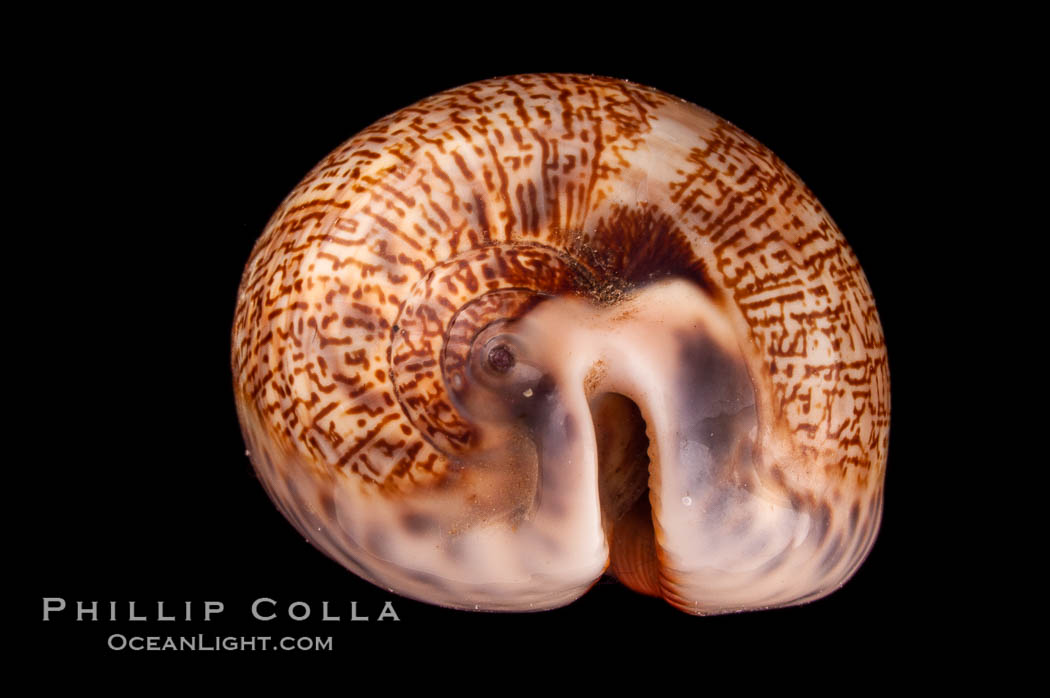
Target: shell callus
(540, 328)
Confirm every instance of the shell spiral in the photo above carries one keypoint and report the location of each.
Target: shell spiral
(502, 206)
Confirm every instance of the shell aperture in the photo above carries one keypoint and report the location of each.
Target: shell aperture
(539, 328)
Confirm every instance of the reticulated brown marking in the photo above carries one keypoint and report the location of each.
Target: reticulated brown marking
(493, 202)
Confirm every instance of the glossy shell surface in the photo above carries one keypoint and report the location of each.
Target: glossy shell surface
(538, 328)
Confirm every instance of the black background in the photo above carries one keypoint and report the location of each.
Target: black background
(160, 167)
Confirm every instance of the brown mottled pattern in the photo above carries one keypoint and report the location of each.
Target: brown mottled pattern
(543, 160)
(444, 312)
(802, 293)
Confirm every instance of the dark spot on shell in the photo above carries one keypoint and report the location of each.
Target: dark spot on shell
(727, 389)
(568, 425)
(717, 506)
(860, 547)
(376, 541)
(326, 503)
(548, 543)
(854, 517)
(742, 525)
(777, 561)
(865, 529)
(501, 358)
(831, 558)
(454, 549)
(418, 524)
(544, 387)
(431, 580)
(822, 520)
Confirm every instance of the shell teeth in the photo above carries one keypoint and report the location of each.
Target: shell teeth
(634, 557)
(723, 534)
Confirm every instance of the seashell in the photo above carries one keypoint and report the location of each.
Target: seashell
(544, 327)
